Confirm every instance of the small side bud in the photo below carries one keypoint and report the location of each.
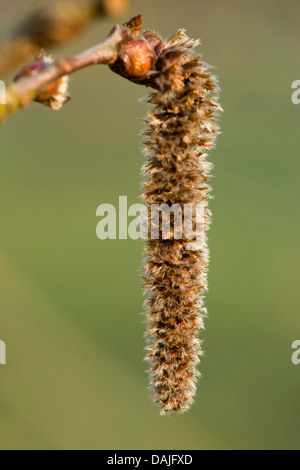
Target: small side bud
(54, 95)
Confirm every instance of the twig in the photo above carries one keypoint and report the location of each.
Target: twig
(54, 24)
(25, 90)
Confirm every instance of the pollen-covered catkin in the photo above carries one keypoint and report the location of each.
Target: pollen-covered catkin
(180, 128)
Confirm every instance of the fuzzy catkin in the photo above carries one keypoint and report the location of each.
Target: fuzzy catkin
(180, 128)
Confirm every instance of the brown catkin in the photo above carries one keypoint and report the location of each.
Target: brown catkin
(181, 127)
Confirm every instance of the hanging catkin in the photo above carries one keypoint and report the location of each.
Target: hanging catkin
(181, 127)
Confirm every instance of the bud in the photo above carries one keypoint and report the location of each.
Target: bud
(135, 59)
(55, 94)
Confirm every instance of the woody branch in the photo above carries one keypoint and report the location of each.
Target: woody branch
(53, 24)
(20, 93)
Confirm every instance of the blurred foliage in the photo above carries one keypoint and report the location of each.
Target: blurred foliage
(70, 303)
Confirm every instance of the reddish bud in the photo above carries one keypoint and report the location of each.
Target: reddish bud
(136, 58)
(55, 94)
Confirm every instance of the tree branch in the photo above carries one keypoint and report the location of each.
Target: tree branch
(54, 24)
(30, 86)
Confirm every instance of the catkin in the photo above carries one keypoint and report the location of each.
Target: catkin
(180, 128)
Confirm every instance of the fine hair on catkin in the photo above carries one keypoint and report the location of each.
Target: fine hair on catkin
(180, 128)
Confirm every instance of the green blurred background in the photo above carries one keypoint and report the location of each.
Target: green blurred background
(70, 303)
